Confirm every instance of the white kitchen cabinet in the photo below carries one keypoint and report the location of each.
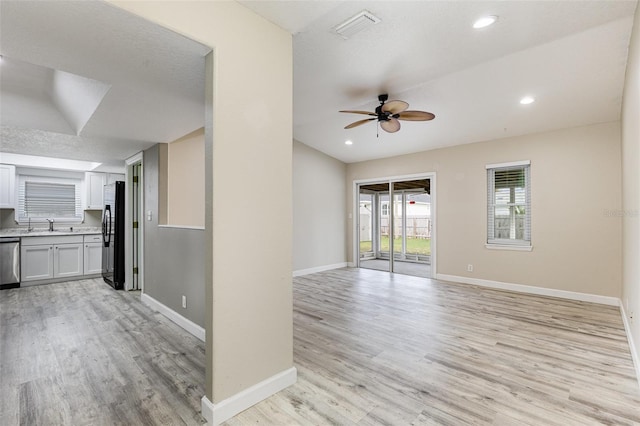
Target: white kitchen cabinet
(68, 260)
(44, 258)
(36, 262)
(7, 186)
(94, 183)
(92, 254)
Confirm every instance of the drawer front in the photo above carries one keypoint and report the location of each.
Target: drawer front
(52, 240)
(93, 238)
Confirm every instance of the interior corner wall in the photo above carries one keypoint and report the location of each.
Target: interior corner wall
(319, 206)
(575, 202)
(631, 188)
(173, 257)
(249, 309)
(185, 180)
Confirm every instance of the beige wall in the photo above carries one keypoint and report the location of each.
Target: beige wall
(575, 178)
(185, 180)
(319, 206)
(249, 309)
(631, 187)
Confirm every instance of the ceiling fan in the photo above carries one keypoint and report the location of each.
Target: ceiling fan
(388, 114)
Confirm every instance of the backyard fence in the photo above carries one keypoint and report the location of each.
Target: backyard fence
(417, 227)
(502, 227)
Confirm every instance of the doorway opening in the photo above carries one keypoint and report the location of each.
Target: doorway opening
(134, 224)
(395, 225)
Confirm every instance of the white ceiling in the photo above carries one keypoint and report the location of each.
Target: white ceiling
(569, 55)
(88, 81)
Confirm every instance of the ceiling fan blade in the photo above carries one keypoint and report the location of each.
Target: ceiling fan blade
(358, 123)
(391, 126)
(360, 112)
(415, 116)
(395, 107)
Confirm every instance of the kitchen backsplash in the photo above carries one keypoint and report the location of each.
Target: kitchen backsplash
(92, 218)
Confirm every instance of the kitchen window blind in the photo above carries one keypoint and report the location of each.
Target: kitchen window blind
(41, 198)
(509, 204)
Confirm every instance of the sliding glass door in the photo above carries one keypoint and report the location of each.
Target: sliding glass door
(394, 228)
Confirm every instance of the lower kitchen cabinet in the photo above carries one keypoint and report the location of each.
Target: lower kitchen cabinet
(44, 258)
(36, 262)
(92, 258)
(68, 260)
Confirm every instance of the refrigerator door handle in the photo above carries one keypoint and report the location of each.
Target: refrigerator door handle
(106, 229)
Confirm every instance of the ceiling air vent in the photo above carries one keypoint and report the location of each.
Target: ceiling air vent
(356, 23)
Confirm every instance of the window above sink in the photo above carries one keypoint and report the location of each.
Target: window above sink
(44, 195)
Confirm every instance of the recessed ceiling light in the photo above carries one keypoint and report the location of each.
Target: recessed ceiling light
(527, 100)
(348, 142)
(485, 21)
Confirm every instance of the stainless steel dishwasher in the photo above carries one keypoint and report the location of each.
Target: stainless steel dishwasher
(9, 262)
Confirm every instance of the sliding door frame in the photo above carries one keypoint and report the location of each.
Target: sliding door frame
(390, 180)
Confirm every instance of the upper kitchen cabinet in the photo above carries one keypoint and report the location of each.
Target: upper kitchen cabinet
(95, 182)
(7, 186)
(95, 185)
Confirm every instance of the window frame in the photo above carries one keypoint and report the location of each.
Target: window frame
(508, 243)
(24, 175)
(384, 208)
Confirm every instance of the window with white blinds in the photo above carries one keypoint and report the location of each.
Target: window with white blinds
(42, 197)
(509, 204)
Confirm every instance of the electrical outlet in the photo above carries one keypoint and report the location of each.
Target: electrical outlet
(469, 268)
(184, 302)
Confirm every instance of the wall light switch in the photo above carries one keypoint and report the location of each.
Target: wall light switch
(149, 215)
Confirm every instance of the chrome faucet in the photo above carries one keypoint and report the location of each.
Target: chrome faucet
(50, 224)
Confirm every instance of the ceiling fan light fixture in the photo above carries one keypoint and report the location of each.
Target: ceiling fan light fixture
(355, 24)
(485, 21)
(527, 100)
(348, 142)
(387, 115)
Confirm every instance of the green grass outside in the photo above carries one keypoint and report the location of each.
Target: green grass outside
(414, 245)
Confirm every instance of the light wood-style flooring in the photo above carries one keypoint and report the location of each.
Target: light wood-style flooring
(371, 348)
(82, 353)
(374, 348)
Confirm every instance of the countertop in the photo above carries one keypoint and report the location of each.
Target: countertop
(44, 232)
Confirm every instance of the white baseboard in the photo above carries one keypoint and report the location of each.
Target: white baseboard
(308, 271)
(224, 410)
(351, 264)
(541, 291)
(632, 346)
(183, 322)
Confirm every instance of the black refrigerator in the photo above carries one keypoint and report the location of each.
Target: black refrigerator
(113, 235)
